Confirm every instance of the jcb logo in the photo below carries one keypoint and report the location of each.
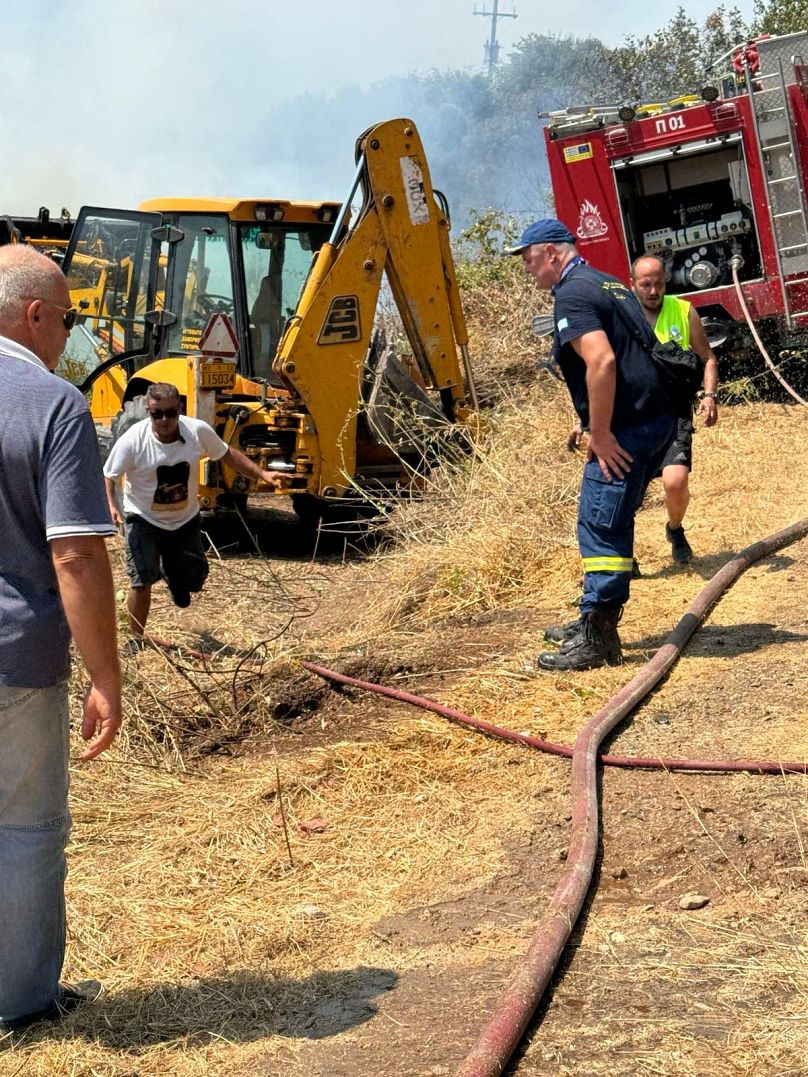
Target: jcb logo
(342, 322)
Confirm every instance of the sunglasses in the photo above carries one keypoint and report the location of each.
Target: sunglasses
(164, 413)
(69, 316)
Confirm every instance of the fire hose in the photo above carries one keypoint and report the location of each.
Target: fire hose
(735, 265)
(521, 995)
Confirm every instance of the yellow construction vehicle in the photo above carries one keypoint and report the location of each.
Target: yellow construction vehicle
(50, 235)
(316, 390)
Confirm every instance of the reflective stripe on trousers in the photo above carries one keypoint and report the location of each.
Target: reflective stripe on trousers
(606, 512)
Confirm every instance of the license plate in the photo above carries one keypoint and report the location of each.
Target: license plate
(217, 376)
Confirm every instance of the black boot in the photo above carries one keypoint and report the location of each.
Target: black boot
(596, 643)
(561, 633)
(680, 547)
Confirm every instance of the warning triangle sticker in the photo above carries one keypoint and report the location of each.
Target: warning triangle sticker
(219, 338)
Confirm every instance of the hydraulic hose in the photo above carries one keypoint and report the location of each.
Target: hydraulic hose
(734, 266)
(518, 1000)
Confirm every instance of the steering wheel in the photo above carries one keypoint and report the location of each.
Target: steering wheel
(210, 303)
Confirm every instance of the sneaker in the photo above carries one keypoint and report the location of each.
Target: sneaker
(134, 645)
(68, 998)
(180, 596)
(680, 548)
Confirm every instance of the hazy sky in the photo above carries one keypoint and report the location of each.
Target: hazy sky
(111, 102)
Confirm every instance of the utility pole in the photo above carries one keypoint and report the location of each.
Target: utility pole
(492, 45)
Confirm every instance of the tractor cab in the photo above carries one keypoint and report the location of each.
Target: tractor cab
(146, 284)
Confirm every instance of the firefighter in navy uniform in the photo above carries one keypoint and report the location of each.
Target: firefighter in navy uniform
(616, 394)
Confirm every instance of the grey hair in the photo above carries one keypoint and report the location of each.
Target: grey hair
(566, 248)
(24, 274)
(162, 390)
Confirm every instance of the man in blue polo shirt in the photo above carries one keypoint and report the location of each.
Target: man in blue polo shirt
(616, 394)
(55, 580)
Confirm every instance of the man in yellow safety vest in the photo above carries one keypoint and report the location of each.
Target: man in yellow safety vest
(675, 319)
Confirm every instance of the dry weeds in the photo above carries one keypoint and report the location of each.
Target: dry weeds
(223, 954)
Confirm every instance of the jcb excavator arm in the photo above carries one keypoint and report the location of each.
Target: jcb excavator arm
(402, 229)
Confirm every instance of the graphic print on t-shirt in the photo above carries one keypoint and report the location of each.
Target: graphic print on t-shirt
(171, 492)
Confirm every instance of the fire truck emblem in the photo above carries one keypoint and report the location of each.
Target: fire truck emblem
(590, 223)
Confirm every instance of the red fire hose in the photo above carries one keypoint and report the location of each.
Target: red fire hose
(522, 993)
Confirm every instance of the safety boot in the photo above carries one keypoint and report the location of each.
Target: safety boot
(595, 644)
(561, 633)
(680, 548)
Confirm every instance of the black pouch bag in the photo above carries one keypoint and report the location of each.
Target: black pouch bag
(680, 370)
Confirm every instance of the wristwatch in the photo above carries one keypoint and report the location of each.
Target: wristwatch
(708, 396)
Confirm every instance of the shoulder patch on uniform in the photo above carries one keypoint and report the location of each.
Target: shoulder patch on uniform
(615, 289)
(562, 324)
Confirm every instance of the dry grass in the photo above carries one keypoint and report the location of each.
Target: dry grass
(222, 955)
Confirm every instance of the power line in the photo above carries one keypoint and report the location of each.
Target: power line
(492, 45)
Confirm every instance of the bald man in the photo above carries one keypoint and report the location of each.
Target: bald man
(55, 582)
(673, 318)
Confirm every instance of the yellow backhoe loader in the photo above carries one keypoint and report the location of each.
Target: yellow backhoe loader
(316, 389)
(48, 234)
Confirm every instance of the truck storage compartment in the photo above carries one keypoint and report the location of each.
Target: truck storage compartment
(690, 205)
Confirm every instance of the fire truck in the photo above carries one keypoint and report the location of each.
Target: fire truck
(713, 183)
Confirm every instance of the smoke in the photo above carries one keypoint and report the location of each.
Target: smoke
(120, 102)
(135, 99)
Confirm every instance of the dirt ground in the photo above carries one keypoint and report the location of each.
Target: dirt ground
(645, 987)
(361, 921)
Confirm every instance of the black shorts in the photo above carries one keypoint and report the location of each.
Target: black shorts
(153, 554)
(680, 450)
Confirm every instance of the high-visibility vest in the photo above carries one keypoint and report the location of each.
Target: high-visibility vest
(673, 321)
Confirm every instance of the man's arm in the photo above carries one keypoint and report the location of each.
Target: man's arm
(245, 466)
(601, 378)
(88, 596)
(110, 485)
(707, 408)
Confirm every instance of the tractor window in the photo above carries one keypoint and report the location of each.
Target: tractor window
(277, 260)
(202, 279)
(108, 274)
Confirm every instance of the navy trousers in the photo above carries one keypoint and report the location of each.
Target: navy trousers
(606, 512)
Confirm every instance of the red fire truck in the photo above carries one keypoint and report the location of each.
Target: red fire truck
(714, 184)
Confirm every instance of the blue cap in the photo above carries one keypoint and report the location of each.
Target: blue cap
(548, 230)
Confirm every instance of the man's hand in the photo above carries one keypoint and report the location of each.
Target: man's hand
(102, 719)
(708, 410)
(614, 460)
(574, 438)
(110, 486)
(272, 478)
(88, 596)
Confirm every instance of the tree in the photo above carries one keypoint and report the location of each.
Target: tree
(781, 16)
(675, 60)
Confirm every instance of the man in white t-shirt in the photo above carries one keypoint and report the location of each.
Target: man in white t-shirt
(160, 458)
